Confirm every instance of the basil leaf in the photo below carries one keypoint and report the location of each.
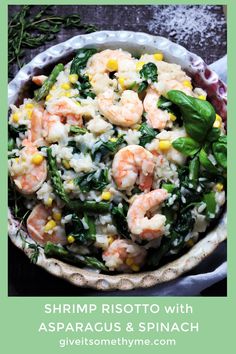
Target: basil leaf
(210, 201)
(213, 134)
(206, 163)
(194, 170)
(186, 146)
(143, 86)
(219, 149)
(198, 115)
(80, 60)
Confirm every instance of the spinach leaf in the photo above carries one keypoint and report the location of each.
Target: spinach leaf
(148, 134)
(206, 163)
(76, 228)
(186, 146)
(105, 148)
(148, 72)
(11, 144)
(15, 131)
(166, 105)
(119, 218)
(80, 60)
(198, 115)
(143, 86)
(219, 149)
(96, 180)
(84, 87)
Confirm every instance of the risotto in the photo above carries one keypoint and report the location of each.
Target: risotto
(117, 163)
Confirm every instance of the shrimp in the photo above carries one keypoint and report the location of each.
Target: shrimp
(99, 63)
(65, 107)
(39, 229)
(39, 80)
(53, 129)
(156, 117)
(35, 132)
(139, 224)
(125, 113)
(124, 255)
(27, 175)
(131, 162)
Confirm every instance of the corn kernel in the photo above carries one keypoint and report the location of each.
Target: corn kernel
(121, 81)
(112, 65)
(29, 112)
(65, 86)
(70, 239)
(219, 187)
(158, 56)
(49, 201)
(216, 124)
(187, 83)
(17, 159)
(53, 88)
(190, 243)
(139, 65)
(129, 261)
(113, 140)
(73, 78)
(56, 216)
(50, 225)
(66, 164)
(110, 239)
(29, 106)
(218, 121)
(48, 97)
(137, 126)
(106, 195)
(164, 145)
(68, 94)
(135, 267)
(37, 159)
(15, 117)
(78, 103)
(202, 97)
(172, 117)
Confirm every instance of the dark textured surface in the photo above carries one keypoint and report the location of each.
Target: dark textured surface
(26, 279)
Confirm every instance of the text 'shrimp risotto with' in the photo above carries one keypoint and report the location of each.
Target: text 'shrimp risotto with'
(117, 164)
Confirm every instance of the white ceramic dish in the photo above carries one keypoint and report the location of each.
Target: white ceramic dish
(136, 43)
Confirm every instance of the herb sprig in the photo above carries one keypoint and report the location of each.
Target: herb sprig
(31, 30)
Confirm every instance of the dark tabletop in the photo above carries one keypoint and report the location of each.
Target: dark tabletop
(200, 29)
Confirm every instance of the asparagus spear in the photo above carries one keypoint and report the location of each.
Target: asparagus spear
(47, 85)
(77, 130)
(75, 205)
(58, 252)
(56, 178)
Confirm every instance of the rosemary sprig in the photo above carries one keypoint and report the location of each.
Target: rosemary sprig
(29, 30)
